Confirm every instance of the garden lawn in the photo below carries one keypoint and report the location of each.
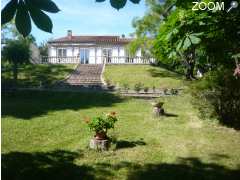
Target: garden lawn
(32, 74)
(148, 75)
(44, 136)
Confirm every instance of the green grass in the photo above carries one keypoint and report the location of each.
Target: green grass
(44, 137)
(32, 74)
(148, 75)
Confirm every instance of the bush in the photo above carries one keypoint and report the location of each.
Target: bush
(218, 95)
(145, 89)
(138, 87)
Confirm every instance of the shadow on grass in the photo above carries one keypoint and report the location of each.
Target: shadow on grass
(129, 144)
(32, 75)
(170, 114)
(61, 165)
(163, 73)
(29, 104)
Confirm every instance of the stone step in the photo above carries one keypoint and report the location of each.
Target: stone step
(85, 75)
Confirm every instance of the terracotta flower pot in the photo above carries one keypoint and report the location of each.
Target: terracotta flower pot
(158, 111)
(100, 135)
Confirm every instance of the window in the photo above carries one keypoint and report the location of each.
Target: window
(84, 56)
(61, 52)
(107, 55)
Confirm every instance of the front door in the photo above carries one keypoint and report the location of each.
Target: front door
(84, 56)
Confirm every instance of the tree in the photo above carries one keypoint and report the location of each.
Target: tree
(43, 49)
(16, 52)
(146, 28)
(23, 11)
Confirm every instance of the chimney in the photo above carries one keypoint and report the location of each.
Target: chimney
(69, 34)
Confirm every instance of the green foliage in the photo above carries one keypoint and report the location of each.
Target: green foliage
(146, 28)
(102, 123)
(174, 91)
(43, 48)
(9, 11)
(126, 87)
(24, 11)
(138, 87)
(145, 89)
(217, 94)
(118, 4)
(16, 52)
(158, 104)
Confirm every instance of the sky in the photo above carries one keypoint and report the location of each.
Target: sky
(86, 17)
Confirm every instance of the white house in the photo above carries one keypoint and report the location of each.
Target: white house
(92, 50)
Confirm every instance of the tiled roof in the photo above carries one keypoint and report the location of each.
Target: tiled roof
(91, 39)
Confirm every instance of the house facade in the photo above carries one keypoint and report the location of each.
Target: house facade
(92, 50)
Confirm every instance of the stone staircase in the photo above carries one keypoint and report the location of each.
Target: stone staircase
(84, 76)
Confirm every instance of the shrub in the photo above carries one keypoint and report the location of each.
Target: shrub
(138, 87)
(218, 95)
(145, 89)
(126, 87)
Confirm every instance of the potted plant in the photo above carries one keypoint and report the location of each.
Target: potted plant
(154, 89)
(126, 87)
(138, 87)
(174, 91)
(101, 124)
(165, 91)
(158, 108)
(145, 89)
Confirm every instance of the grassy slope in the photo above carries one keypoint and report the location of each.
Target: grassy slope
(32, 74)
(148, 75)
(44, 136)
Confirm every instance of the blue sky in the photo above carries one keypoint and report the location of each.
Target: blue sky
(86, 17)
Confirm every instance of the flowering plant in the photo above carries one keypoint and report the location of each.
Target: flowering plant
(101, 124)
(158, 104)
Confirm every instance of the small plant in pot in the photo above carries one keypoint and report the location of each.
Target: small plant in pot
(145, 89)
(174, 91)
(165, 91)
(158, 108)
(154, 89)
(138, 87)
(126, 87)
(101, 124)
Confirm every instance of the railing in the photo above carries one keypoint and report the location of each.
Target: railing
(98, 60)
(60, 60)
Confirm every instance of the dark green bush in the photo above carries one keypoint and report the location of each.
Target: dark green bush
(218, 95)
